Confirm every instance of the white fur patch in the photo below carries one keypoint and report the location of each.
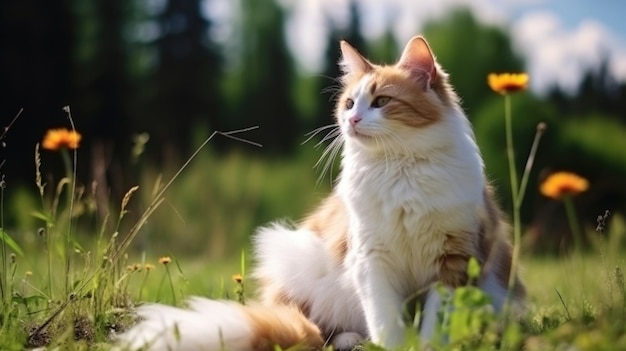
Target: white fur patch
(205, 325)
(346, 341)
(296, 263)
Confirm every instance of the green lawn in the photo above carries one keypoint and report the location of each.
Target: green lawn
(203, 222)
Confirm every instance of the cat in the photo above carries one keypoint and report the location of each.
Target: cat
(410, 208)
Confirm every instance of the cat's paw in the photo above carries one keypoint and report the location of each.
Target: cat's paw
(346, 341)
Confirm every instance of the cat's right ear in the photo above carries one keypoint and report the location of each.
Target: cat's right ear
(351, 61)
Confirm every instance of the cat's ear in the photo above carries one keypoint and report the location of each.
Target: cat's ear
(418, 59)
(351, 61)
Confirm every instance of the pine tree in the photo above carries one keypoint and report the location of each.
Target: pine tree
(184, 85)
(265, 78)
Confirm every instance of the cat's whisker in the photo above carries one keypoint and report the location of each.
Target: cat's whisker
(310, 135)
(333, 156)
(328, 157)
(331, 135)
(328, 151)
(334, 89)
(319, 129)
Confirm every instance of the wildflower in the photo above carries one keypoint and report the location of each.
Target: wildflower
(148, 267)
(239, 290)
(507, 82)
(165, 260)
(559, 184)
(134, 267)
(56, 139)
(28, 274)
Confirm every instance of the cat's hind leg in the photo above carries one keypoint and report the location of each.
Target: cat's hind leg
(289, 263)
(294, 266)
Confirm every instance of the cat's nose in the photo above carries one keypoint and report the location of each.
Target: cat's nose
(354, 120)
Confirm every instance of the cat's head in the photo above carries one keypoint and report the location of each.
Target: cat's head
(395, 108)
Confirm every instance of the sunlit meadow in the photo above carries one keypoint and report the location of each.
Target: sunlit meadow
(72, 271)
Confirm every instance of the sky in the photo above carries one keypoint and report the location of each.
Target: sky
(560, 39)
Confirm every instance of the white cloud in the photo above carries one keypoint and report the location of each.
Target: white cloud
(561, 56)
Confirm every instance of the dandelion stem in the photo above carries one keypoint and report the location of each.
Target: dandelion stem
(67, 162)
(143, 284)
(510, 149)
(169, 277)
(517, 231)
(573, 223)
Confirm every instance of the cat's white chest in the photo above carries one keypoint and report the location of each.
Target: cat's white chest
(394, 198)
(399, 215)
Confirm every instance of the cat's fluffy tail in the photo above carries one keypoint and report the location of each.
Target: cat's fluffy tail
(211, 325)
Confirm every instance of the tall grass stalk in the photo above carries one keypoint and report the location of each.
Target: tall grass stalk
(5, 290)
(4, 283)
(70, 171)
(517, 193)
(572, 220)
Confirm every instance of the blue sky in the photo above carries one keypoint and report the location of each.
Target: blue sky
(609, 12)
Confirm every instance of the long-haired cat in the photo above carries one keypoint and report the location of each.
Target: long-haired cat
(410, 208)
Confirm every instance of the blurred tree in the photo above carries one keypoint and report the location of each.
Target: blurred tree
(103, 95)
(100, 92)
(598, 92)
(263, 79)
(184, 90)
(35, 70)
(385, 49)
(469, 50)
(329, 84)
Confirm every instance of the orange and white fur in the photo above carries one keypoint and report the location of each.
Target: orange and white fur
(410, 208)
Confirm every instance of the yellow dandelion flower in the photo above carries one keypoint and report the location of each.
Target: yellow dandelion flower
(165, 260)
(507, 82)
(238, 278)
(559, 184)
(56, 139)
(148, 267)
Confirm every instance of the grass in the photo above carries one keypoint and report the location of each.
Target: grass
(74, 291)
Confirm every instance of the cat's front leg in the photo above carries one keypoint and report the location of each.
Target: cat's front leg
(381, 303)
(430, 313)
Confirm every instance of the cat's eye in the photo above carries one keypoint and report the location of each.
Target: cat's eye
(349, 104)
(380, 101)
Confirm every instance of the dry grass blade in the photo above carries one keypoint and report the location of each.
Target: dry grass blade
(231, 136)
(38, 178)
(126, 199)
(6, 129)
(158, 199)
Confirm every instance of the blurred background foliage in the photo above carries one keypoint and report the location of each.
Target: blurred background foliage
(155, 75)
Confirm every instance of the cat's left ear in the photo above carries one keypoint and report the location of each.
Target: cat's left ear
(351, 61)
(418, 59)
